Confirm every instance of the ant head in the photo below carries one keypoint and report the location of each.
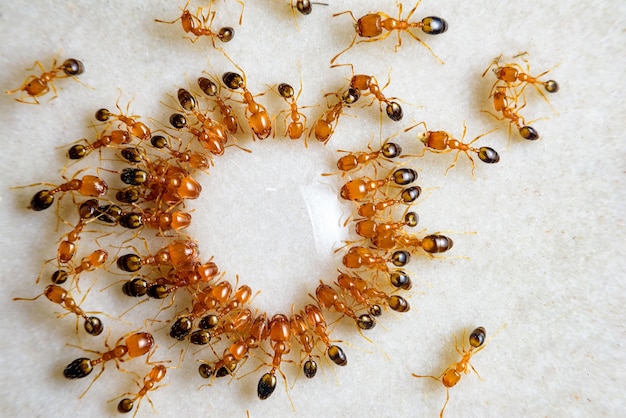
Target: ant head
(423, 137)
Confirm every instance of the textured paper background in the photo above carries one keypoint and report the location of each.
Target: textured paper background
(547, 257)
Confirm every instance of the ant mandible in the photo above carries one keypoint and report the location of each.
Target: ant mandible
(442, 142)
(374, 25)
(38, 86)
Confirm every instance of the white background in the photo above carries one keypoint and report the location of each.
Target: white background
(547, 257)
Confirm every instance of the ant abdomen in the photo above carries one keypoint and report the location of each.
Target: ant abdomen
(336, 354)
(434, 25)
(266, 386)
(77, 369)
(488, 155)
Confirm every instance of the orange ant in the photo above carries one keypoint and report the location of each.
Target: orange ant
(279, 336)
(328, 298)
(200, 25)
(179, 254)
(135, 128)
(258, 118)
(316, 321)
(407, 196)
(325, 126)
(368, 228)
(511, 112)
(257, 332)
(212, 136)
(361, 292)
(374, 25)
(513, 76)
(354, 161)
(116, 137)
(135, 345)
(38, 86)
(56, 294)
(303, 335)
(149, 381)
(361, 188)
(91, 186)
(358, 257)
(170, 183)
(442, 142)
(432, 244)
(194, 159)
(212, 89)
(451, 376)
(365, 83)
(296, 128)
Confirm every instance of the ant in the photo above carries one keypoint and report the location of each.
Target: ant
(200, 25)
(149, 381)
(432, 244)
(257, 332)
(442, 142)
(451, 376)
(328, 298)
(135, 345)
(154, 376)
(303, 335)
(358, 257)
(56, 294)
(279, 336)
(514, 76)
(296, 128)
(325, 126)
(367, 228)
(374, 25)
(212, 136)
(258, 118)
(38, 86)
(90, 186)
(360, 189)
(315, 319)
(212, 89)
(116, 137)
(407, 196)
(354, 161)
(135, 128)
(365, 83)
(361, 292)
(511, 112)
(179, 254)
(194, 159)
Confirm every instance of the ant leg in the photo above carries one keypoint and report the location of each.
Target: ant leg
(349, 46)
(413, 10)
(414, 36)
(446, 403)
